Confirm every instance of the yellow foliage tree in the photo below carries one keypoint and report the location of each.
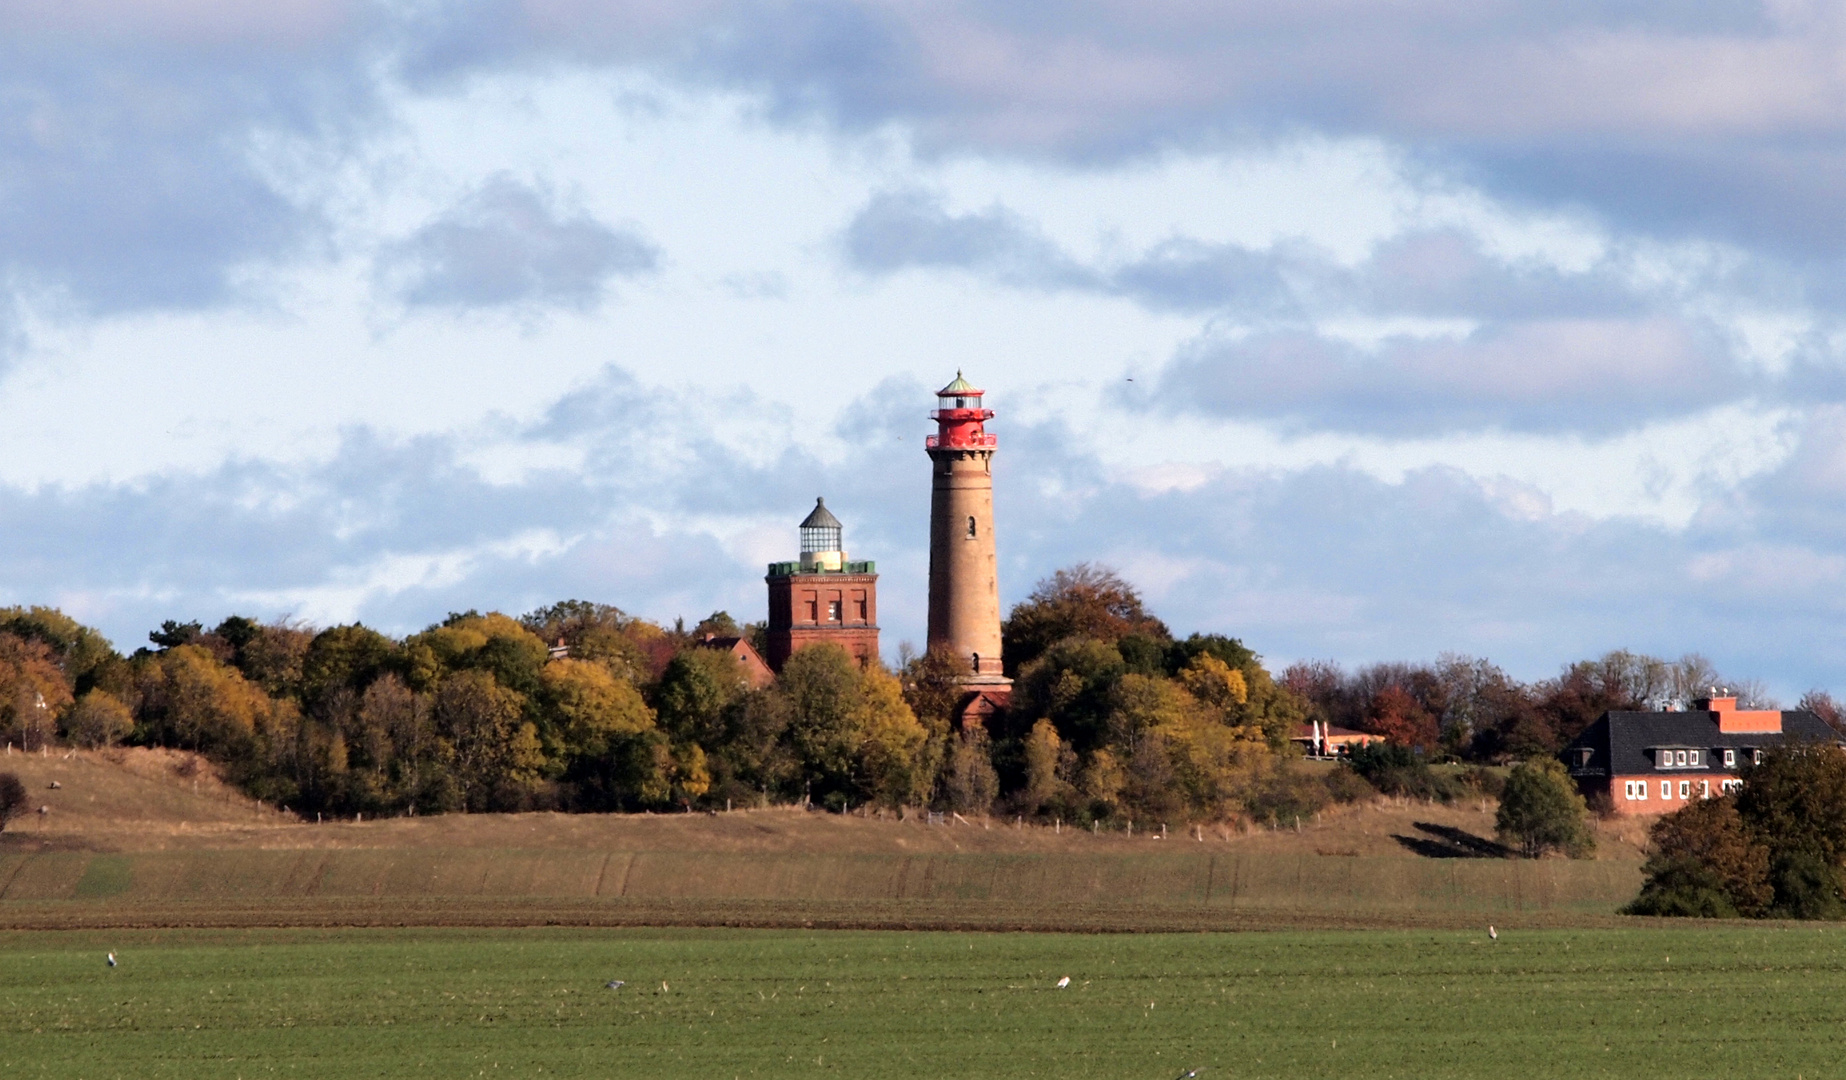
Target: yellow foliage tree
(593, 706)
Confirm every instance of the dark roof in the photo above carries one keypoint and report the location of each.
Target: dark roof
(1619, 742)
(821, 518)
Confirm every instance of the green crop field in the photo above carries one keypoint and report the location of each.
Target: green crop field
(1648, 1001)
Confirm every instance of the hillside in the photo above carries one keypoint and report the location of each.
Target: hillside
(149, 837)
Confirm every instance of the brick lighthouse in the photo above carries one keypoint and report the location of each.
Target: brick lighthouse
(822, 598)
(964, 579)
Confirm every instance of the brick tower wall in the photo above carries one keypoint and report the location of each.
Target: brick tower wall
(964, 577)
(802, 612)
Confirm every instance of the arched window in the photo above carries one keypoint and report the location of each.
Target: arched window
(977, 656)
(970, 527)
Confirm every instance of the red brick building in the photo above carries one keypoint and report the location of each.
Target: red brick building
(1655, 762)
(822, 596)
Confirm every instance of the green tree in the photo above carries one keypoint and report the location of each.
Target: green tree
(696, 690)
(1541, 811)
(1794, 803)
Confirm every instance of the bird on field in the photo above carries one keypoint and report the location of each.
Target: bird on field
(111, 959)
(1188, 1074)
(615, 984)
(1492, 933)
(1065, 981)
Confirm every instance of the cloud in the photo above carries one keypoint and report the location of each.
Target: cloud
(129, 177)
(1596, 377)
(505, 244)
(663, 521)
(1717, 119)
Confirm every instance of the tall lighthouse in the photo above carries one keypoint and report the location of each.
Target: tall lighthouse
(964, 579)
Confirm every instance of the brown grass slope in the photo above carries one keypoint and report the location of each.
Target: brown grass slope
(153, 838)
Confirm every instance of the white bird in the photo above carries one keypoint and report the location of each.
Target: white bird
(1065, 981)
(1492, 933)
(1188, 1074)
(111, 959)
(615, 984)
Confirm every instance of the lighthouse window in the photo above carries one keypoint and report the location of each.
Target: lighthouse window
(813, 610)
(833, 611)
(977, 663)
(961, 403)
(971, 528)
(861, 611)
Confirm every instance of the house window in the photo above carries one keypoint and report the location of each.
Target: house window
(1692, 758)
(1704, 789)
(1730, 759)
(1666, 789)
(1679, 757)
(1729, 786)
(1756, 757)
(833, 611)
(1640, 790)
(1685, 789)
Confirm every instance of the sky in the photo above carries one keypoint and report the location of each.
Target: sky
(1359, 331)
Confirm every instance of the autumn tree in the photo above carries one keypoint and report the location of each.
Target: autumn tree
(33, 691)
(97, 719)
(1082, 601)
(1704, 862)
(496, 751)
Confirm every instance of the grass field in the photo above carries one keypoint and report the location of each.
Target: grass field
(1701, 1001)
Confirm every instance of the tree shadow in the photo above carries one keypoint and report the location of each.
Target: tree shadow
(1448, 842)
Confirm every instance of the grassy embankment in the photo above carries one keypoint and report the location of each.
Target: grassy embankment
(1738, 1002)
(151, 838)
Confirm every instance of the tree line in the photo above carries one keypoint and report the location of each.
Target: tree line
(1113, 717)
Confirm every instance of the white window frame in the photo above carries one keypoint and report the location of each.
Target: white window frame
(1679, 759)
(1730, 759)
(1704, 789)
(1666, 789)
(1729, 785)
(1685, 789)
(1756, 757)
(1692, 758)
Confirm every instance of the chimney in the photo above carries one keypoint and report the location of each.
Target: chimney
(1735, 721)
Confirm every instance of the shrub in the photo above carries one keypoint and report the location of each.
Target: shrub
(1346, 786)
(1287, 795)
(1401, 770)
(12, 798)
(1541, 811)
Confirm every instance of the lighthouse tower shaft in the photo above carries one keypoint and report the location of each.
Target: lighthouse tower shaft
(964, 579)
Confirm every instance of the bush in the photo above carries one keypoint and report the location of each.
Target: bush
(1484, 782)
(1346, 786)
(1286, 796)
(1806, 887)
(12, 798)
(1541, 811)
(1401, 770)
(1683, 887)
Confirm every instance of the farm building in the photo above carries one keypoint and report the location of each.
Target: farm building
(1328, 740)
(1654, 762)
